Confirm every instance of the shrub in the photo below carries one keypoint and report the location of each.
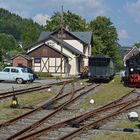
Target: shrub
(44, 74)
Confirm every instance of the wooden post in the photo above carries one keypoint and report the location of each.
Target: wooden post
(61, 39)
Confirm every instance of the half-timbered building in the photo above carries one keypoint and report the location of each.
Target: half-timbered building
(58, 53)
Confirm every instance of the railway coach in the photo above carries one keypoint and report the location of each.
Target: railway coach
(101, 67)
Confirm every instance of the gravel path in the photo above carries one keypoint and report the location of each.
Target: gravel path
(9, 86)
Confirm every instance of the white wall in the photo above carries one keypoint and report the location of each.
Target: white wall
(79, 46)
(58, 47)
(74, 65)
(72, 62)
(85, 61)
(76, 44)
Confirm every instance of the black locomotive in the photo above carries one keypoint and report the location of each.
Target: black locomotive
(132, 71)
(101, 67)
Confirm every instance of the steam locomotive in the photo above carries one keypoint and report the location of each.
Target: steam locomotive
(132, 72)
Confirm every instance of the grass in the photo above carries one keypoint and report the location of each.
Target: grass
(24, 100)
(117, 136)
(107, 93)
(128, 124)
(34, 98)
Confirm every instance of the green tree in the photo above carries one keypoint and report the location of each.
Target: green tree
(30, 33)
(7, 44)
(23, 30)
(105, 38)
(71, 20)
(137, 45)
(10, 23)
(0, 55)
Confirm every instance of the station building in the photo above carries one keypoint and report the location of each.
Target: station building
(58, 53)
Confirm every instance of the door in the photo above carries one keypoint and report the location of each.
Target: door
(14, 74)
(5, 75)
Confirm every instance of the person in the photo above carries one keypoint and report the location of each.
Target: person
(122, 74)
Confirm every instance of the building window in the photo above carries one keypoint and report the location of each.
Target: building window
(37, 60)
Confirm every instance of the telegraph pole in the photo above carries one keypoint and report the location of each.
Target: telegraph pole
(61, 39)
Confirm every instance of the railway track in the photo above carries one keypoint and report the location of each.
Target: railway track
(31, 89)
(58, 108)
(72, 127)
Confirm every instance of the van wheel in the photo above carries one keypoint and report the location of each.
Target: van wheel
(19, 80)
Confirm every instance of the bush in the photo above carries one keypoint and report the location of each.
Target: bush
(44, 74)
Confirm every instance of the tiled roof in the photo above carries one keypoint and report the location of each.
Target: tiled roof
(44, 35)
(83, 36)
(133, 52)
(24, 56)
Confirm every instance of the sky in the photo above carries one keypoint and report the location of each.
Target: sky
(124, 14)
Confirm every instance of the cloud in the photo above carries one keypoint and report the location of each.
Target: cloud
(88, 8)
(133, 9)
(41, 19)
(123, 34)
(26, 8)
(3, 5)
(96, 6)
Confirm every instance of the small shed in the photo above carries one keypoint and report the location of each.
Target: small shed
(22, 60)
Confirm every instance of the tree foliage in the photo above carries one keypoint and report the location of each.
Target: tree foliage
(10, 23)
(137, 45)
(23, 30)
(30, 32)
(105, 38)
(7, 44)
(105, 35)
(71, 21)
